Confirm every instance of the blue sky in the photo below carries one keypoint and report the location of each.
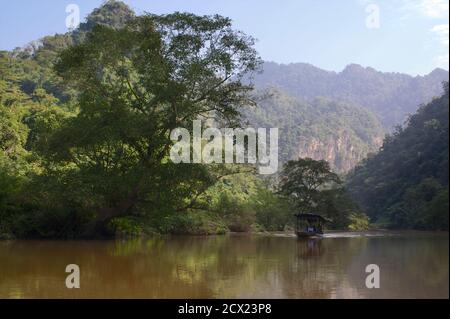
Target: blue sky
(410, 36)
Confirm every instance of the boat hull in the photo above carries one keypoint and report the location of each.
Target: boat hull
(308, 234)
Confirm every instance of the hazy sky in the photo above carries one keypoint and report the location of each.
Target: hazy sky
(410, 36)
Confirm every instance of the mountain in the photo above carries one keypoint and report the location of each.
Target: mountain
(40, 56)
(112, 13)
(391, 96)
(406, 184)
(341, 127)
(341, 133)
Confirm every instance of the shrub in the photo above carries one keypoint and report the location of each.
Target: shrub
(358, 222)
(125, 227)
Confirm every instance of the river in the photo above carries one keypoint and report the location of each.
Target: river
(412, 265)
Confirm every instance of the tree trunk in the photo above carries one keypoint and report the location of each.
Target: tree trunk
(120, 209)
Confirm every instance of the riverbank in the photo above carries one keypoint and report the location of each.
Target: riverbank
(330, 234)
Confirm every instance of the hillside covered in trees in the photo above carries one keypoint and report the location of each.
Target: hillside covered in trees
(85, 116)
(85, 119)
(338, 117)
(390, 96)
(363, 92)
(406, 184)
(322, 129)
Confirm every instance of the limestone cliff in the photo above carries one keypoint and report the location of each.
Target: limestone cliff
(339, 133)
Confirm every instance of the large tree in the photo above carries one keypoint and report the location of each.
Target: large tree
(305, 180)
(136, 84)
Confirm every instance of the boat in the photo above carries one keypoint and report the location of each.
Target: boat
(310, 225)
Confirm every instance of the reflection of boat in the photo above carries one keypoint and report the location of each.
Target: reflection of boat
(309, 225)
(309, 247)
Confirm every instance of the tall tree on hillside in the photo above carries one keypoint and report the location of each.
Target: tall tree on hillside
(136, 84)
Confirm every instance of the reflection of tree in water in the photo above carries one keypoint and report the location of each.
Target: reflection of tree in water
(207, 267)
(319, 266)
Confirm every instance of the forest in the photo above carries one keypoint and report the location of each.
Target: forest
(405, 185)
(84, 139)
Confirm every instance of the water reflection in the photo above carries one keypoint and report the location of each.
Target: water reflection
(412, 266)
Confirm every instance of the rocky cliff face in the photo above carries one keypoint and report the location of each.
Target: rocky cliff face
(357, 107)
(340, 151)
(321, 129)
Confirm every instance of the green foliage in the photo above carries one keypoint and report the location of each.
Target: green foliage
(136, 84)
(273, 213)
(303, 182)
(244, 203)
(390, 96)
(90, 142)
(313, 188)
(13, 132)
(53, 223)
(10, 186)
(358, 222)
(193, 223)
(238, 216)
(343, 212)
(230, 200)
(125, 227)
(84, 138)
(321, 128)
(406, 184)
(112, 13)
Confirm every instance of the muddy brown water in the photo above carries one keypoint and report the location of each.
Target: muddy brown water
(412, 265)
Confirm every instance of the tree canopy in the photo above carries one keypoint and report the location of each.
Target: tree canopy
(85, 122)
(135, 85)
(405, 185)
(304, 180)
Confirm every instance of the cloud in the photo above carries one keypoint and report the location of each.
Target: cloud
(437, 11)
(434, 9)
(441, 32)
(434, 14)
(442, 61)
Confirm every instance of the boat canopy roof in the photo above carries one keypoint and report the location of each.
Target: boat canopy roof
(312, 217)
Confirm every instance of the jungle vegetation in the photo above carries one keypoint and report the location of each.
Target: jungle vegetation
(405, 185)
(84, 136)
